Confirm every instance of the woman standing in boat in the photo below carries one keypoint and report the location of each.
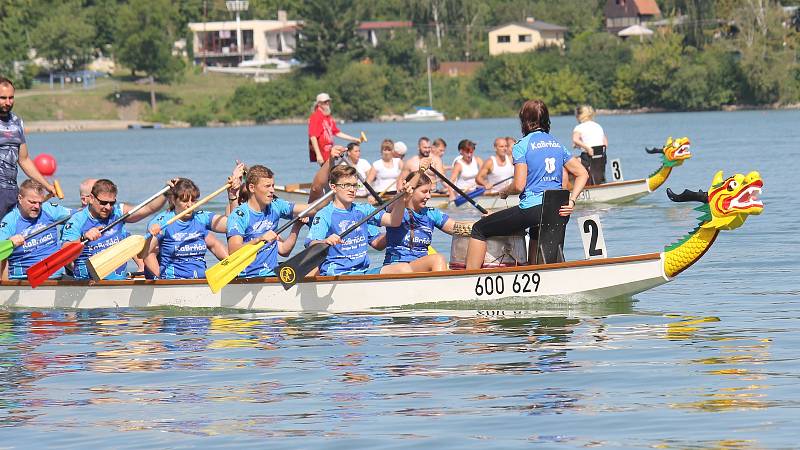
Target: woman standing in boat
(589, 136)
(409, 241)
(538, 163)
(178, 250)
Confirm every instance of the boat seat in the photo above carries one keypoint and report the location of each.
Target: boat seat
(550, 243)
(597, 166)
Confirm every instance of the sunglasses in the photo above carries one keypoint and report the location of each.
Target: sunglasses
(105, 202)
(353, 186)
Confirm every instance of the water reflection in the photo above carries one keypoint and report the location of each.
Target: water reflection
(310, 373)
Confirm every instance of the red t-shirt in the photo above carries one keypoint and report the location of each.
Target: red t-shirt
(324, 129)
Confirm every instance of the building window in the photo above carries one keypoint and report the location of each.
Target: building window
(503, 39)
(525, 38)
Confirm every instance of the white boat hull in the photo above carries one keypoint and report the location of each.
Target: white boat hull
(587, 281)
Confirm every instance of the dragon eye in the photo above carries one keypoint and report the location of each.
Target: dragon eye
(732, 185)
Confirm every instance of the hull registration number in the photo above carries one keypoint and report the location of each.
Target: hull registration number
(520, 283)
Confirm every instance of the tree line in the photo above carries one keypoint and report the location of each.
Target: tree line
(723, 52)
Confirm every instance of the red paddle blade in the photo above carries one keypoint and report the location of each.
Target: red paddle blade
(42, 270)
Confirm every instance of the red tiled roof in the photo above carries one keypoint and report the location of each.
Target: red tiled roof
(383, 25)
(647, 7)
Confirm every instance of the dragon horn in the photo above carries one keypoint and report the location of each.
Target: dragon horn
(718, 179)
(688, 196)
(654, 150)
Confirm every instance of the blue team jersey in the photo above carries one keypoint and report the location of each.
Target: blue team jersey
(545, 158)
(12, 136)
(399, 246)
(182, 245)
(82, 222)
(250, 224)
(350, 255)
(37, 248)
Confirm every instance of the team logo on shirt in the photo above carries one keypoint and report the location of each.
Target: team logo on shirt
(316, 220)
(240, 213)
(550, 165)
(2, 224)
(345, 224)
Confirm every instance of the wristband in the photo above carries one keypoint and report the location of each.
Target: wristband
(573, 201)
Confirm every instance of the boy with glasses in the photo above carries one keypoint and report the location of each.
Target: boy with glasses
(348, 254)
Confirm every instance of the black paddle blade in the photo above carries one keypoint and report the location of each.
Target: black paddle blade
(294, 269)
(688, 196)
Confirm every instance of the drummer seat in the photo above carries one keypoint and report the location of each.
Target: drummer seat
(550, 243)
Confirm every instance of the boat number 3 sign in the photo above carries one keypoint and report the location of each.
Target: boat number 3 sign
(594, 245)
(521, 283)
(616, 170)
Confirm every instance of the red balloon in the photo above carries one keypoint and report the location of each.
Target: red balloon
(45, 164)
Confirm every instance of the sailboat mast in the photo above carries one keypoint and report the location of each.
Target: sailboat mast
(430, 92)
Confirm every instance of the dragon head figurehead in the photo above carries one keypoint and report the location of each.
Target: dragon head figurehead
(725, 207)
(732, 199)
(676, 151)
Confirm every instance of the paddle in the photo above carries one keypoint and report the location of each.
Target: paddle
(478, 192)
(458, 191)
(42, 270)
(303, 262)
(226, 270)
(59, 191)
(7, 247)
(103, 263)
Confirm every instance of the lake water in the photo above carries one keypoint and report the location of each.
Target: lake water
(707, 361)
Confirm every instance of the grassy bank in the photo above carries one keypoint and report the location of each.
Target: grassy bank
(198, 98)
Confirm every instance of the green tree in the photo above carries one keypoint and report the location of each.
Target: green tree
(561, 91)
(13, 44)
(145, 34)
(287, 96)
(597, 55)
(642, 81)
(329, 29)
(65, 37)
(359, 91)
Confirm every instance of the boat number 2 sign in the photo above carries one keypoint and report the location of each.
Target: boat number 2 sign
(594, 245)
(522, 283)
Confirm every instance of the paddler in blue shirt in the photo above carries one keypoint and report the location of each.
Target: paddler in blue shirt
(32, 213)
(409, 242)
(101, 210)
(257, 219)
(178, 250)
(13, 151)
(348, 255)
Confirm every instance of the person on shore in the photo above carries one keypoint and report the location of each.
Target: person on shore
(101, 210)
(589, 136)
(256, 219)
(497, 168)
(14, 151)
(384, 172)
(465, 168)
(85, 190)
(400, 148)
(409, 242)
(321, 130)
(178, 250)
(348, 255)
(32, 213)
(538, 163)
(353, 156)
(424, 150)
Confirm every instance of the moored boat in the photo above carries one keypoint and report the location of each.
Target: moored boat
(727, 205)
(424, 114)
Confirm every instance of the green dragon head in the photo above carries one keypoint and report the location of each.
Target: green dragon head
(732, 199)
(676, 151)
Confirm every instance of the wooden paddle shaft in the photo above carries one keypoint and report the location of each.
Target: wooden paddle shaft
(198, 204)
(459, 191)
(133, 210)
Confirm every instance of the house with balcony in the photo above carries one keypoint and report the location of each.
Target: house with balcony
(621, 14)
(376, 31)
(215, 43)
(519, 37)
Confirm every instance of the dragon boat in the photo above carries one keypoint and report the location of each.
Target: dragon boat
(673, 154)
(725, 206)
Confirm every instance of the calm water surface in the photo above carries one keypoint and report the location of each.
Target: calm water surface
(707, 361)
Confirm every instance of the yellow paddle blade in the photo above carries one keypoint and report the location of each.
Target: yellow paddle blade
(431, 250)
(105, 262)
(226, 270)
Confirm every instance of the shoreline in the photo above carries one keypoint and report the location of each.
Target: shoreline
(55, 126)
